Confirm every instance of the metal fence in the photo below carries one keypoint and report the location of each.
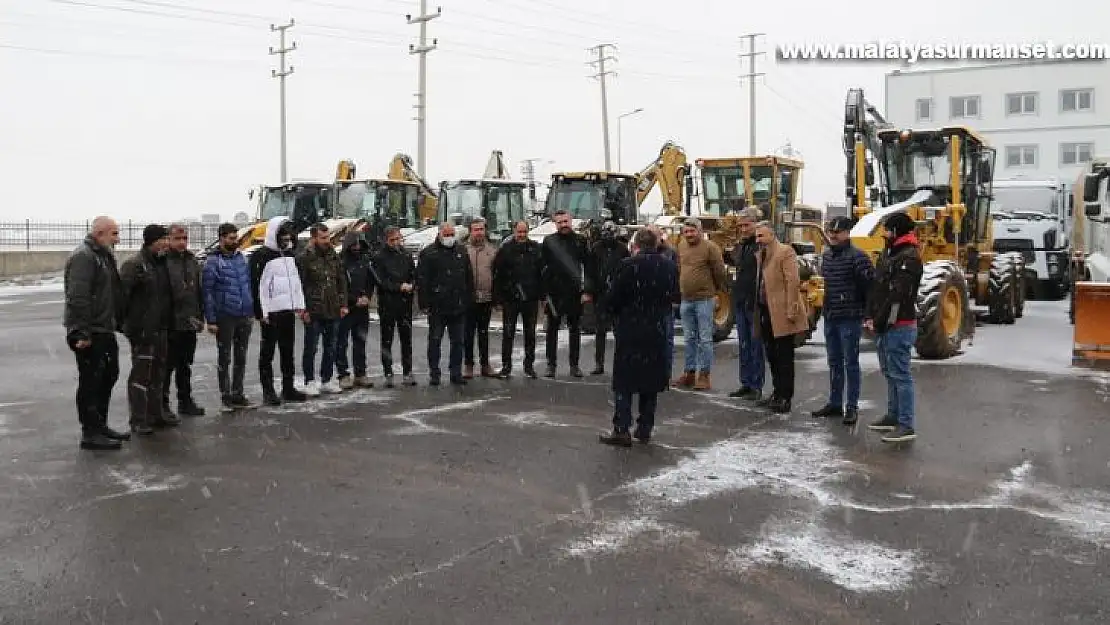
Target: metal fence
(65, 235)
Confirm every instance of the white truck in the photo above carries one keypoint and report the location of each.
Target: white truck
(1033, 218)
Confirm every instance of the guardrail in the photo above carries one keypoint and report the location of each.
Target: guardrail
(33, 235)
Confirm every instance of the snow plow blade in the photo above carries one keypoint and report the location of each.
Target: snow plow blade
(1091, 346)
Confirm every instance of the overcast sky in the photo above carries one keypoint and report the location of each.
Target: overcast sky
(159, 109)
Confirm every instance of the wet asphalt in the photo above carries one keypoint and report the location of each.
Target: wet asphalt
(494, 503)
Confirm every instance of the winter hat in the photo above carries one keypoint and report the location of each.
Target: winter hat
(840, 224)
(900, 224)
(153, 232)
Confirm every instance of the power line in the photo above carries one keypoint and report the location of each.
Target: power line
(281, 76)
(422, 51)
(602, 57)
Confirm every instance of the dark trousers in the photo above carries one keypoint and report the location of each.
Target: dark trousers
(353, 328)
(233, 335)
(148, 374)
(453, 325)
(622, 413)
(179, 363)
(477, 328)
(322, 331)
(574, 328)
(97, 373)
(527, 312)
(780, 358)
(279, 333)
(399, 318)
(603, 324)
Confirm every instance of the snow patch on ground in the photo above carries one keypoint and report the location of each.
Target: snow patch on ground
(856, 565)
(330, 402)
(536, 417)
(616, 535)
(417, 419)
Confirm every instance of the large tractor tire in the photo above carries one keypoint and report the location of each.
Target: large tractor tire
(943, 306)
(1021, 287)
(724, 316)
(1002, 296)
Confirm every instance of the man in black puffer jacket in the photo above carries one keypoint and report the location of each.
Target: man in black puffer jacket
(445, 287)
(355, 327)
(848, 275)
(395, 272)
(516, 285)
(565, 255)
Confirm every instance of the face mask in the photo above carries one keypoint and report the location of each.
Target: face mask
(162, 254)
(448, 241)
(286, 245)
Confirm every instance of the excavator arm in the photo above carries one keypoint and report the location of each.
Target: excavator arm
(496, 168)
(400, 168)
(862, 121)
(669, 171)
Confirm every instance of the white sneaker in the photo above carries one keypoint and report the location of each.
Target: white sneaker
(312, 389)
(331, 387)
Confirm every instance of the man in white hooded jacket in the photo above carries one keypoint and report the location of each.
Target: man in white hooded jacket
(279, 301)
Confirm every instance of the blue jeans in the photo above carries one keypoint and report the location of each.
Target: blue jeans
(318, 329)
(842, 338)
(895, 347)
(353, 328)
(697, 328)
(752, 366)
(622, 413)
(454, 326)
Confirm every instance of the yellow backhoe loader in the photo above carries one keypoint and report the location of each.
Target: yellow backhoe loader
(1090, 296)
(401, 170)
(941, 178)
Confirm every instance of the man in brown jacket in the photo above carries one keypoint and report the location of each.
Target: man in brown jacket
(701, 276)
(781, 313)
(481, 253)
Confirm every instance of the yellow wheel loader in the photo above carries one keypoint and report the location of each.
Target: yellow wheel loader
(941, 178)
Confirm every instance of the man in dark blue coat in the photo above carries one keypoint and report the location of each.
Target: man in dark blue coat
(848, 274)
(641, 296)
(229, 311)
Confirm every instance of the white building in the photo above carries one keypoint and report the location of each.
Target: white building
(1045, 118)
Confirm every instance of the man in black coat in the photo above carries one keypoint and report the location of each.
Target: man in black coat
(565, 256)
(753, 366)
(445, 287)
(355, 327)
(641, 297)
(395, 272)
(604, 260)
(517, 270)
(93, 302)
(185, 283)
(149, 317)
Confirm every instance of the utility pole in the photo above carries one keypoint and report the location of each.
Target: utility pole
(602, 57)
(751, 76)
(281, 75)
(422, 90)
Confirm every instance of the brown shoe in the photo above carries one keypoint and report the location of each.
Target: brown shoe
(684, 380)
(488, 372)
(702, 383)
(468, 372)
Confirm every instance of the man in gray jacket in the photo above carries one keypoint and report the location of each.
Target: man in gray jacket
(93, 303)
(188, 321)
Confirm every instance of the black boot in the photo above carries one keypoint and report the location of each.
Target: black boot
(270, 396)
(619, 438)
(828, 410)
(289, 392)
(189, 408)
(850, 416)
(97, 441)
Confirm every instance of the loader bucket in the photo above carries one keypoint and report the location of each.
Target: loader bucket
(1092, 325)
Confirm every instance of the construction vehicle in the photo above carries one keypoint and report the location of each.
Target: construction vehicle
(493, 197)
(401, 170)
(1090, 297)
(1032, 218)
(942, 179)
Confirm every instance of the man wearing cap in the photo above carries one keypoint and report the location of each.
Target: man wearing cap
(701, 276)
(848, 274)
(892, 314)
(147, 321)
(602, 263)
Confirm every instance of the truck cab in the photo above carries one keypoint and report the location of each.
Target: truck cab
(1031, 218)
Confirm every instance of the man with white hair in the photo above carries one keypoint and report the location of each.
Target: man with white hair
(701, 276)
(93, 302)
(745, 259)
(445, 290)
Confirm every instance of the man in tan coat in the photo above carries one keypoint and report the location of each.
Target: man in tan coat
(702, 275)
(781, 313)
(481, 254)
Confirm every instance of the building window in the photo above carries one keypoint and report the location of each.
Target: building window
(1021, 104)
(1076, 153)
(924, 108)
(964, 107)
(1021, 156)
(1072, 100)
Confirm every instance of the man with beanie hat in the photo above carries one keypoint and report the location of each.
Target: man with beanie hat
(229, 310)
(892, 314)
(147, 320)
(847, 272)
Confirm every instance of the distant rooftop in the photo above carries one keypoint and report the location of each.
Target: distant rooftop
(972, 65)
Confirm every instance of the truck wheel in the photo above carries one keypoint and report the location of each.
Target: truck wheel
(724, 317)
(1001, 298)
(943, 307)
(1021, 287)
